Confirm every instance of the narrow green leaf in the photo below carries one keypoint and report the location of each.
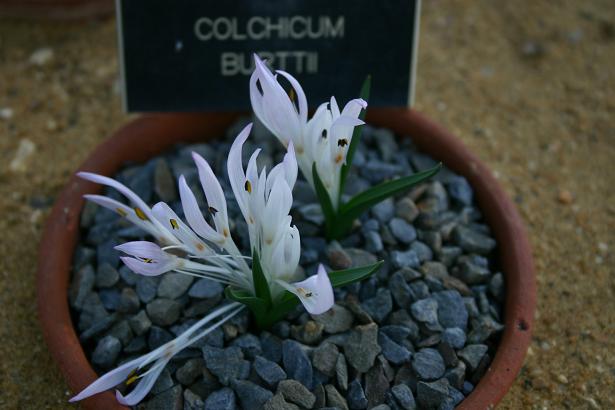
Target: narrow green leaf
(256, 305)
(261, 286)
(366, 199)
(348, 276)
(356, 134)
(324, 199)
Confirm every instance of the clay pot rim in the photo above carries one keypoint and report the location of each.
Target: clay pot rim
(146, 136)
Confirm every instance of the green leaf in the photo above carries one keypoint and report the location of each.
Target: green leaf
(347, 276)
(256, 305)
(356, 134)
(366, 199)
(261, 286)
(324, 199)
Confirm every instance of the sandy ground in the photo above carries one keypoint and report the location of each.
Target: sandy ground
(527, 85)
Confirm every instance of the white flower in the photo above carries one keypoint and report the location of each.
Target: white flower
(265, 200)
(146, 369)
(323, 140)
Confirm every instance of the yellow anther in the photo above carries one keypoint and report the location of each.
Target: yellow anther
(140, 214)
(147, 260)
(120, 211)
(174, 224)
(248, 186)
(131, 379)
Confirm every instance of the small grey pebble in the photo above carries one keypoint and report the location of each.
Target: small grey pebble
(106, 276)
(428, 364)
(224, 399)
(106, 352)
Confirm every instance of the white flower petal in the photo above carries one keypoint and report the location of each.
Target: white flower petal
(302, 101)
(143, 387)
(213, 193)
(108, 380)
(167, 217)
(194, 216)
(315, 292)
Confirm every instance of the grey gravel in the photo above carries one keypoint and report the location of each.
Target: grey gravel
(296, 363)
(451, 309)
(338, 319)
(205, 288)
(163, 312)
(472, 241)
(426, 312)
(251, 395)
(403, 396)
(226, 364)
(362, 347)
(376, 385)
(341, 372)
(270, 372)
(277, 402)
(106, 276)
(356, 396)
(380, 305)
(334, 398)
(405, 259)
(472, 355)
(455, 337)
(173, 285)
(189, 371)
(170, 399)
(324, 358)
(393, 352)
(147, 288)
(431, 395)
(106, 352)
(402, 230)
(224, 399)
(128, 301)
(428, 364)
(297, 393)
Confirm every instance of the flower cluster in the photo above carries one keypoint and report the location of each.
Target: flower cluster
(322, 141)
(266, 281)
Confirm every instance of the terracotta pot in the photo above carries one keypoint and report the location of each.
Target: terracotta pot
(151, 135)
(56, 9)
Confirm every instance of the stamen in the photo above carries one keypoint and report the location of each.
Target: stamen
(200, 246)
(324, 133)
(248, 186)
(132, 377)
(140, 214)
(147, 260)
(259, 87)
(213, 210)
(305, 293)
(174, 224)
(342, 142)
(291, 94)
(338, 158)
(121, 212)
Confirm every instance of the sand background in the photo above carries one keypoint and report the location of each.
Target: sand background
(529, 86)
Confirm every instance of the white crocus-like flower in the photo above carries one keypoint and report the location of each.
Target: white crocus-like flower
(265, 200)
(197, 249)
(323, 140)
(145, 370)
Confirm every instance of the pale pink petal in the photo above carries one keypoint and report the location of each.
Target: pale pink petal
(108, 380)
(315, 293)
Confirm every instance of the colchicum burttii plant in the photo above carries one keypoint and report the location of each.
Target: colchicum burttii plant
(268, 281)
